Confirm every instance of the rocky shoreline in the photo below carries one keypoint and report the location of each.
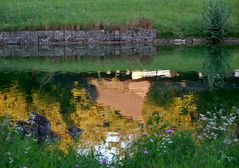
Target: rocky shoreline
(98, 37)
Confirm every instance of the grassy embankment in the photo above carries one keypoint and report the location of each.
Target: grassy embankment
(214, 145)
(173, 18)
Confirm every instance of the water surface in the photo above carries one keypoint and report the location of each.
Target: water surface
(113, 94)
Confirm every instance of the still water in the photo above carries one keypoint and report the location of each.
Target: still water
(111, 91)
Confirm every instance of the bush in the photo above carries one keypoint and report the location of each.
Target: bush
(215, 16)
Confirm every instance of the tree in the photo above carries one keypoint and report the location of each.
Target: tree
(216, 16)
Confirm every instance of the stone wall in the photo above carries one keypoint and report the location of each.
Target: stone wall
(77, 37)
(78, 50)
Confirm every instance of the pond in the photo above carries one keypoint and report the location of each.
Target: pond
(111, 91)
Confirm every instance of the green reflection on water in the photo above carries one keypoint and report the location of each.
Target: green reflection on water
(180, 59)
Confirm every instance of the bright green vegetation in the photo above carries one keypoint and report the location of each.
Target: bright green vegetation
(180, 59)
(181, 150)
(173, 18)
(19, 151)
(214, 145)
(215, 16)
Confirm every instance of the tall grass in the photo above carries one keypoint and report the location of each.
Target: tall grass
(19, 151)
(214, 144)
(173, 18)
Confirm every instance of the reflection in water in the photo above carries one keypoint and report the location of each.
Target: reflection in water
(237, 73)
(113, 106)
(178, 59)
(112, 110)
(125, 96)
(217, 66)
(144, 74)
(65, 100)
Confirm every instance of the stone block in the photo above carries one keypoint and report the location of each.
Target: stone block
(116, 35)
(93, 36)
(59, 36)
(1, 38)
(126, 36)
(43, 41)
(34, 37)
(109, 36)
(7, 39)
(75, 36)
(1, 52)
(45, 37)
(80, 37)
(16, 38)
(44, 34)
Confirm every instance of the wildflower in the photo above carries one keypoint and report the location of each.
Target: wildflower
(77, 166)
(8, 137)
(170, 141)
(229, 158)
(104, 161)
(145, 135)
(169, 131)
(10, 160)
(29, 134)
(227, 141)
(151, 140)
(146, 152)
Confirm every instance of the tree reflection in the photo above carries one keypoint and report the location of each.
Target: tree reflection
(217, 66)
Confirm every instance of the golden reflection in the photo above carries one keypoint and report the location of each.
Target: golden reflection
(96, 120)
(13, 104)
(120, 109)
(178, 114)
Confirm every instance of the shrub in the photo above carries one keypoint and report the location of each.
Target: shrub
(215, 16)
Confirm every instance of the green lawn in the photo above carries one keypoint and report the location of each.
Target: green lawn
(177, 18)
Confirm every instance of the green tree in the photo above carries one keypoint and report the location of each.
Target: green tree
(215, 17)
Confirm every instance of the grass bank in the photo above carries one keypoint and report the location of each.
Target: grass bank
(19, 151)
(214, 144)
(173, 18)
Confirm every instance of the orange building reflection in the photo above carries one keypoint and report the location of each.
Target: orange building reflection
(125, 96)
